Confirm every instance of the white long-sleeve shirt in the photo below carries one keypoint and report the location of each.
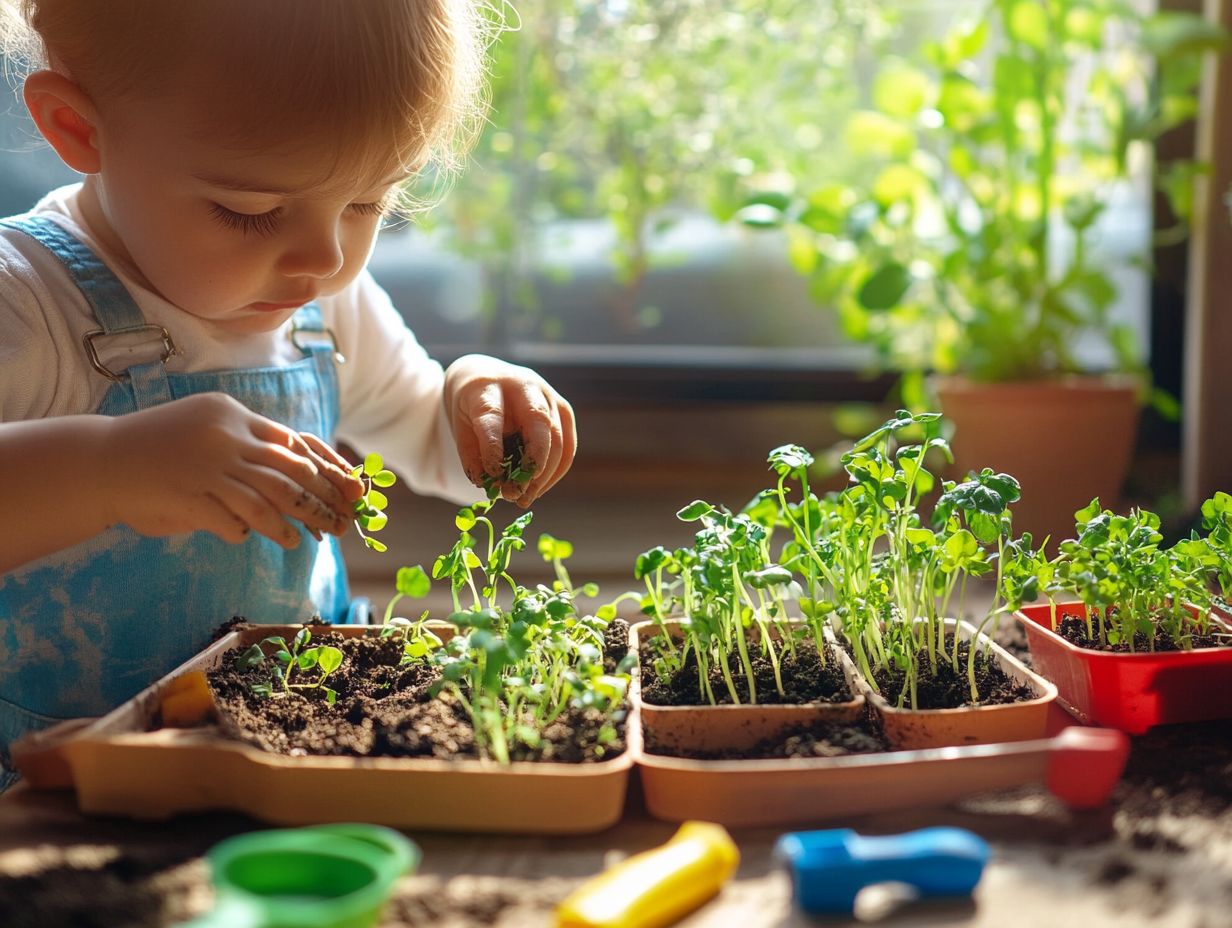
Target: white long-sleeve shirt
(391, 391)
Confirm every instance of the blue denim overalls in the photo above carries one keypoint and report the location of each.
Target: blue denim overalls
(84, 629)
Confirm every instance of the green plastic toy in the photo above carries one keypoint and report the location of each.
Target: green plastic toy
(324, 876)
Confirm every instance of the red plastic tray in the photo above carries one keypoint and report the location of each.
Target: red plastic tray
(1132, 692)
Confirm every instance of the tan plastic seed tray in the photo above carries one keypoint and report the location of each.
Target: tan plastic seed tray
(118, 766)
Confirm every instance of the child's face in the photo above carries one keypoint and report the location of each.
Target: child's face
(240, 237)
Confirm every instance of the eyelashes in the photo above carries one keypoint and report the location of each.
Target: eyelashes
(258, 223)
(267, 223)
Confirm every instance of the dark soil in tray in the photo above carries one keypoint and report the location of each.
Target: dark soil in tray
(385, 709)
(821, 739)
(946, 689)
(805, 680)
(1074, 630)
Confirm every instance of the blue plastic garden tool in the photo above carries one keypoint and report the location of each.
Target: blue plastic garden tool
(829, 868)
(325, 876)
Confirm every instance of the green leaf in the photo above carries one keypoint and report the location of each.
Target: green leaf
(774, 575)
(306, 660)
(551, 548)
(253, 657)
(376, 499)
(1091, 511)
(465, 519)
(885, 287)
(329, 659)
(413, 582)
(384, 478)
(650, 561)
(302, 637)
(694, 511)
(375, 545)
(788, 459)
(373, 464)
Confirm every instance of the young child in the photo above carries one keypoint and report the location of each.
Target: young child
(184, 333)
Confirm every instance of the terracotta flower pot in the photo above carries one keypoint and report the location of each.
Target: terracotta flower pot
(1066, 440)
(714, 728)
(1132, 692)
(934, 728)
(119, 766)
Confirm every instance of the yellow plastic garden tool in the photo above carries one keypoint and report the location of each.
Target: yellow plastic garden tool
(657, 887)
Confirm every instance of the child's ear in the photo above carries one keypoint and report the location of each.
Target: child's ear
(66, 117)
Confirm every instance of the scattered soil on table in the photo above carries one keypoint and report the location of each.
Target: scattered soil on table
(820, 739)
(946, 689)
(131, 889)
(1074, 630)
(805, 679)
(386, 709)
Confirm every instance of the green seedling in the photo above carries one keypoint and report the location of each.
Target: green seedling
(370, 507)
(730, 594)
(519, 656)
(297, 661)
(514, 468)
(1133, 589)
(871, 565)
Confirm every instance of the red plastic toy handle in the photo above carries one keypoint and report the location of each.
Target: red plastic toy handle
(1085, 764)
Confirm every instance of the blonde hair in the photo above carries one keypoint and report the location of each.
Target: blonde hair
(387, 84)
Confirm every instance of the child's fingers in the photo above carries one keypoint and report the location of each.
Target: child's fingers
(560, 437)
(208, 513)
(290, 497)
(479, 431)
(255, 508)
(298, 463)
(335, 467)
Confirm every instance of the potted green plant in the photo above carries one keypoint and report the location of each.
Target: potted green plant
(972, 249)
(888, 582)
(1133, 633)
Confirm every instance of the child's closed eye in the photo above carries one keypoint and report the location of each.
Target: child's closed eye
(259, 223)
(266, 223)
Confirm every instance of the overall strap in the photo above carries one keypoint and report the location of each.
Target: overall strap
(124, 334)
(310, 335)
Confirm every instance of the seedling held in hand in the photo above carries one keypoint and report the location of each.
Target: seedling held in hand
(514, 468)
(370, 508)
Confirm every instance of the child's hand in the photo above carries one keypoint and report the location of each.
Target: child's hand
(207, 462)
(489, 399)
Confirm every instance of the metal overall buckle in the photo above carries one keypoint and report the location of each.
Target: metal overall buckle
(169, 347)
(324, 334)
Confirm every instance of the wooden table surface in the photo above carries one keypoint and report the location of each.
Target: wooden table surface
(1159, 854)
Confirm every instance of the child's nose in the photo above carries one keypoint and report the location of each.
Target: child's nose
(313, 253)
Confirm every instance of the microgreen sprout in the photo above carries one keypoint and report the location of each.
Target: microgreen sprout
(514, 467)
(370, 507)
(293, 661)
(518, 657)
(1131, 588)
(724, 586)
(870, 563)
